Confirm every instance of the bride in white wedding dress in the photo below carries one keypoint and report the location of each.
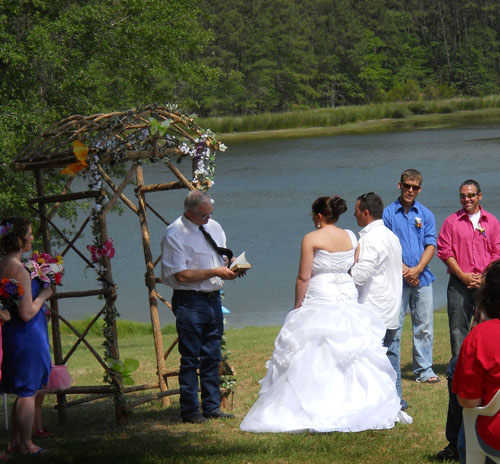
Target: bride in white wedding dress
(329, 370)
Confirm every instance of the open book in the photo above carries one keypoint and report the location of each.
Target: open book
(240, 264)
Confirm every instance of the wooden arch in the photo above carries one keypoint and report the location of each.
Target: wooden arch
(96, 145)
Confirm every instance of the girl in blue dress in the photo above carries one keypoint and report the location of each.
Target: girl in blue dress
(26, 356)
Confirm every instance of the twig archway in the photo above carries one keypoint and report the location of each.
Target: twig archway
(96, 146)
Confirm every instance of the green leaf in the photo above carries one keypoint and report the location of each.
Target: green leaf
(155, 126)
(127, 380)
(130, 365)
(115, 365)
(162, 130)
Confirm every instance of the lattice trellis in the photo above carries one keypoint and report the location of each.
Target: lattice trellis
(154, 133)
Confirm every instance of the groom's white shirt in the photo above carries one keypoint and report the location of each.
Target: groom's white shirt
(378, 273)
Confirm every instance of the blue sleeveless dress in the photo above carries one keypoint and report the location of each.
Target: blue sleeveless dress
(26, 356)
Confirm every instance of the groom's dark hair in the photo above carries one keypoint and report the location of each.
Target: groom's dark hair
(373, 203)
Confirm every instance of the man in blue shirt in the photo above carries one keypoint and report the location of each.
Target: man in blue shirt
(415, 227)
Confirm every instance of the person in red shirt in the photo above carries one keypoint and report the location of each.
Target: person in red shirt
(477, 373)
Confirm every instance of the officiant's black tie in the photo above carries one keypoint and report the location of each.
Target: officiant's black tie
(221, 250)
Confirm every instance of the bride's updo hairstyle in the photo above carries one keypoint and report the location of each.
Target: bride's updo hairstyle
(330, 207)
(12, 233)
(489, 293)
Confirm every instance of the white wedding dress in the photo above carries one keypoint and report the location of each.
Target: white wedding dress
(329, 370)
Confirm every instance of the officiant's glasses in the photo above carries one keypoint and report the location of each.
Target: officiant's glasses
(205, 216)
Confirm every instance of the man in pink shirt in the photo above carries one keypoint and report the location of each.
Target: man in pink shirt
(469, 240)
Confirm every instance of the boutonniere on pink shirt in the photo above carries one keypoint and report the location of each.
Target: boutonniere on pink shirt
(481, 229)
(418, 223)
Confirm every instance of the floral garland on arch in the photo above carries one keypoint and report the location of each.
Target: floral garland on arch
(99, 254)
(203, 156)
(162, 130)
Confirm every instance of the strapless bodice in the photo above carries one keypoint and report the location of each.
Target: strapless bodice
(332, 262)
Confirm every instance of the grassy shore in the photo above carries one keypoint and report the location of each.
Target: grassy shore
(156, 435)
(356, 119)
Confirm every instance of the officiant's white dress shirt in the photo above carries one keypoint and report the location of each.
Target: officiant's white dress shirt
(185, 247)
(378, 274)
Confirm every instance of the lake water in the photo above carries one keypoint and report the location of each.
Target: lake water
(263, 193)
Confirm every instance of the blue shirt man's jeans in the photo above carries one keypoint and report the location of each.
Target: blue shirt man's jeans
(420, 301)
(200, 326)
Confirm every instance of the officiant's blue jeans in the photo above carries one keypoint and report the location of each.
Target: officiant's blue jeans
(200, 326)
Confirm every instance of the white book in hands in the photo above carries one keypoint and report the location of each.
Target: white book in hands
(240, 264)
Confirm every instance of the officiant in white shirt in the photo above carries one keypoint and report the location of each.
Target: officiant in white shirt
(194, 263)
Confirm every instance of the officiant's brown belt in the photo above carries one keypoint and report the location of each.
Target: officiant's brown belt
(199, 293)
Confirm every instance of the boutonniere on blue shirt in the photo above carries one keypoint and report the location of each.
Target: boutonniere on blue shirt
(481, 229)
(418, 223)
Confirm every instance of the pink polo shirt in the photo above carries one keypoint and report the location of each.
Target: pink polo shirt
(472, 248)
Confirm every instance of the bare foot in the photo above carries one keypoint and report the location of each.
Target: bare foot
(12, 448)
(33, 449)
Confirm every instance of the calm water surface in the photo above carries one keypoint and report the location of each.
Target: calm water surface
(263, 193)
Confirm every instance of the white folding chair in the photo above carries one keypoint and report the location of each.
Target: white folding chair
(474, 453)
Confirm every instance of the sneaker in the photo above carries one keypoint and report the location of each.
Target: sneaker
(195, 419)
(449, 453)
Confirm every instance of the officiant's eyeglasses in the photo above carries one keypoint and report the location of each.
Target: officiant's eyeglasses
(470, 195)
(415, 188)
(204, 216)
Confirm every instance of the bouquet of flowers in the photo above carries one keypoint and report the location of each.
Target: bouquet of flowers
(10, 290)
(45, 267)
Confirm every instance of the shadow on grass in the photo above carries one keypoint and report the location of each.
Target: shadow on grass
(152, 436)
(139, 448)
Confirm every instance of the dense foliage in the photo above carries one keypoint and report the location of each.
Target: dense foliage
(289, 54)
(223, 57)
(59, 58)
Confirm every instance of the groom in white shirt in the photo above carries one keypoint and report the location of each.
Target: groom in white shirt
(378, 273)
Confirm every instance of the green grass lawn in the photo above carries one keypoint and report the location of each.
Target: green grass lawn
(156, 434)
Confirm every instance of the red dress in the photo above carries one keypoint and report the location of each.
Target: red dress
(477, 375)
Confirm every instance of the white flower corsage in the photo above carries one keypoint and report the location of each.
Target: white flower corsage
(481, 229)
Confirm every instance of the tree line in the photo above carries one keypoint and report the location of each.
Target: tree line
(287, 54)
(232, 57)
